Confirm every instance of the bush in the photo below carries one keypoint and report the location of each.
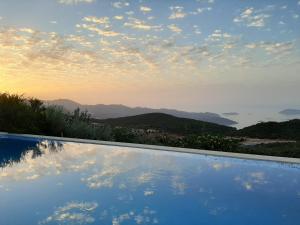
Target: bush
(121, 134)
(275, 149)
(56, 121)
(210, 142)
(20, 115)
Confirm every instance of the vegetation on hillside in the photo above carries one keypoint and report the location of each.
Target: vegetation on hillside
(273, 130)
(168, 123)
(291, 150)
(27, 115)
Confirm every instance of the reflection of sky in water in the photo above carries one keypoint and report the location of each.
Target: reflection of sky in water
(94, 184)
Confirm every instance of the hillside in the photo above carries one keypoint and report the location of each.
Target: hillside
(273, 130)
(101, 111)
(168, 123)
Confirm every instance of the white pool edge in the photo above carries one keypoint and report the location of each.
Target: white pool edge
(163, 148)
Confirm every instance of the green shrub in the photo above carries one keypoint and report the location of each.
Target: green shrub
(20, 115)
(56, 121)
(210, 142)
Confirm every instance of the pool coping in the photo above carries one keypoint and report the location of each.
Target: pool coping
(162, 148)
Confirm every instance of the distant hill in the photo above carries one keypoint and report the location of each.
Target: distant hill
(101, 111)
(290, 112)
(231, 114)
(273, 130)
(170, 124)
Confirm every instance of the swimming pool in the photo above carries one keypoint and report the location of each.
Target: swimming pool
(63, 182)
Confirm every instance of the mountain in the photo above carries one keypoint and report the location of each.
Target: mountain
(290, 112)
(273, 130)
(101, 111)
(231, 114)
(170, 124)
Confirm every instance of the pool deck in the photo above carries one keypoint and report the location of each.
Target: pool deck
(161, 148)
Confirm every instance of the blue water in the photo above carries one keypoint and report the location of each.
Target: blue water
(71, 183)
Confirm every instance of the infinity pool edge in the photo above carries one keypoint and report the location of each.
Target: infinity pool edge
(160, 148)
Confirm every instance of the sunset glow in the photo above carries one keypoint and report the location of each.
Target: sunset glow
(192, 54)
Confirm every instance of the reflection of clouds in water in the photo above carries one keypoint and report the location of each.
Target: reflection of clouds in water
(103, 178)
(100, 166)
(49, 163)
(128, 180)
(83, 166)
(125, 198)
(118, 220)
(209, 202)
(122, 186)
(147, 216)
(148, 193)
(258, 177)
(73, 213)
(217, 211)
(251, 180)
(74, 157)
(145, 177)
(178, 185)
(220, 166)
(247, 185)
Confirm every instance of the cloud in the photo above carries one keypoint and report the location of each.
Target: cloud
(177, 12)
(196, 30)
(27, 30)
(283, 7)
(219, 35)
(175, 28)
(252, 18)
(74, 2)
(129, 13)
(119, 17)
(145, 9)
(140, 24)
(200, 10)
(295, 16)
(206, 1)
(120, 4)
(106, 32)
(81, 40)
(97, 20)
(273, 48)
(277, 48)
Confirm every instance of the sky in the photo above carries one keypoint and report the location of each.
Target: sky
(195, 55)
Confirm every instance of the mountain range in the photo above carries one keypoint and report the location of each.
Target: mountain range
(102, 111)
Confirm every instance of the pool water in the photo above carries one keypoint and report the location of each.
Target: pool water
(47, 182)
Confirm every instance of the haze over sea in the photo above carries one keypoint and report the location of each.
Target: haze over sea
(248, 117)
